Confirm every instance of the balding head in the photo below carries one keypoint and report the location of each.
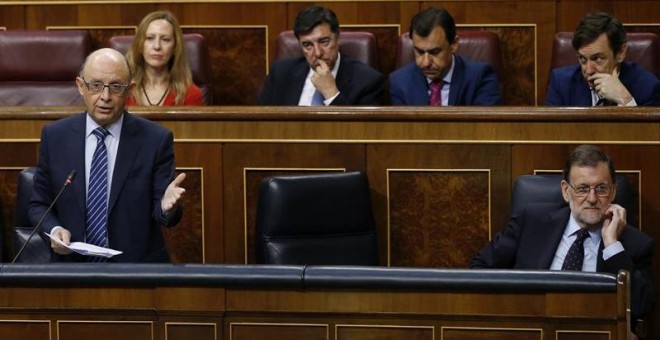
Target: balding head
(104, 83)
(111, 56)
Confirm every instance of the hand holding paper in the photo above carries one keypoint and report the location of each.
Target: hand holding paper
(87, 249)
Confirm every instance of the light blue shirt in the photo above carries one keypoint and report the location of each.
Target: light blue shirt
(591, 245)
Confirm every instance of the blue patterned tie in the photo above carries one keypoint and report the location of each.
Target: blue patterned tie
(317, 99)
(575, 254)
(97, 195)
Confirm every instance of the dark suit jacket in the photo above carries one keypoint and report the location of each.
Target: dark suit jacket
(144, 167)
(472, 83)
(567, 86)
(358, 83)
(530, 241)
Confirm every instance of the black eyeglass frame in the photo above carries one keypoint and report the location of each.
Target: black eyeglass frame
(601, 190)
(98, 87)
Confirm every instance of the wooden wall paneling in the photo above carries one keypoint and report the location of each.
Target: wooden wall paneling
(41, 16)
(238, 61)
(12, 17)
(457, 167)
(512, 13)
(191, 330)
(387, 39)
(491, 333)
(293, 330)
(264, 158)
(582, 335)
(569, 13)
(518, 79)
(271, 15)
(367, 331)
(198, 237)
(239, 53)
(16, 157)
(380, 18)
(100, 35)
(8, 188)
(26, 329)
(104, 330)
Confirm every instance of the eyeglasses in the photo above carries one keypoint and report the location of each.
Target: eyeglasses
(97, 87)
(601, 190)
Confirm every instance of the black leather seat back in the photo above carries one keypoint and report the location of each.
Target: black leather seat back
(547, 189)
(38, 250)
(316, 219)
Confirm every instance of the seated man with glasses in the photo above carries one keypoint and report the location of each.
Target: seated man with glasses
(590, 234)
(125, 188)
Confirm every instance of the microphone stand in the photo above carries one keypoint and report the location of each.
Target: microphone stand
(67, 182)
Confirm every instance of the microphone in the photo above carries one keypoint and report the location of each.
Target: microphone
(67, 182)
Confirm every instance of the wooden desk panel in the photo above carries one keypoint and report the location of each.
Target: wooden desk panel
(231, 148)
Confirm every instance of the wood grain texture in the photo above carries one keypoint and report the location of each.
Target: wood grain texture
(509, 142)
(25, 329)
(438, 218)
(245, 164)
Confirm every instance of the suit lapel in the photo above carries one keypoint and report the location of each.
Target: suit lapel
(583, 92)
(298, 77)
(75, 152)
(129, 145)
(552, 230)
(600, 262)
(457, 80)
(420, 92)
(343, 78)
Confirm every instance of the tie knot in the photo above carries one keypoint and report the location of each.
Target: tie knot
(437, 84)
(100, 133)
(582, 234)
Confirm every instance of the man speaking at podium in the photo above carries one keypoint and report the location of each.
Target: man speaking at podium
(125, 189)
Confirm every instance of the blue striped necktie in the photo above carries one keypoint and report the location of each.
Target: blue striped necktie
(97, 195)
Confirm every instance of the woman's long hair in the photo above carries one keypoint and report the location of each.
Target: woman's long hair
(180, 75)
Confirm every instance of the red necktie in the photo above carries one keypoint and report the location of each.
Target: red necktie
(435, 99)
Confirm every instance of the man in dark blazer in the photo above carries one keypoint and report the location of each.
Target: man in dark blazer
(542, 236)
(323, 76)
(602, 77)
(464, 82)
(142, 194)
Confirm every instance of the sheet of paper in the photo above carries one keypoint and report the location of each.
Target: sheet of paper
(87, 249)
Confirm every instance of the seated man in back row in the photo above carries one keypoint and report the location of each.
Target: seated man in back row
(591, 234)
(324, 76)
(439, 77)
(602, 77)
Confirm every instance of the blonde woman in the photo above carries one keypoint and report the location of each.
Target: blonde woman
(159, 64)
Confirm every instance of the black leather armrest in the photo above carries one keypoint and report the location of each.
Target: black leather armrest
(150, 275)
(457, 279)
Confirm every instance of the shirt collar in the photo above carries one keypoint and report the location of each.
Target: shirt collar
(114, 128)
(573, 227)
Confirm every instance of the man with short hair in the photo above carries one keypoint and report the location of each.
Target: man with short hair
(124, 190)
(590, 234)
(602, 77)
(439, 77)
(324, 76)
